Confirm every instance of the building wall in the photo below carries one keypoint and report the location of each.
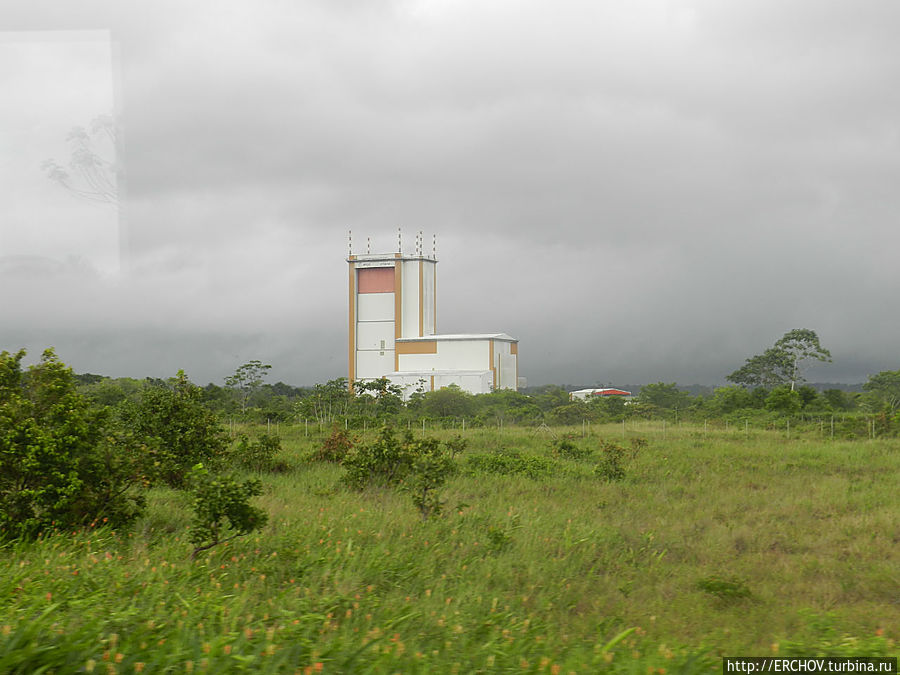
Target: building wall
(445, 355)
(417, 303)
(394, 297)
(491, 355)
(390, 297)
(474, 382)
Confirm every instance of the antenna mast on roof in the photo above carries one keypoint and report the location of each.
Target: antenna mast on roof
(368, 245)
(434, 246)
(399, 241)
(350, 241)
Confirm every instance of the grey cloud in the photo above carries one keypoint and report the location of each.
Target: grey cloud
(640, 191)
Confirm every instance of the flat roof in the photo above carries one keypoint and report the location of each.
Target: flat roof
(386, 259)
(460, 336)
(445, 371)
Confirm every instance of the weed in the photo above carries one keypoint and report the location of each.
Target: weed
(728, 590)
(610, 468)
(566, 448)
(510, 463)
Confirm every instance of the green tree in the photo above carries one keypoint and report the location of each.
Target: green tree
(839, 400)
(729, 399)
(883, 390)
(809, 397)
(801, 344)
(327, 402)
(783, 362)
(766, 370)
(177, 428)
(664, 396)
(247, 380)
(783, 399)
(450, 401)
(551, 397)
(388, 397)
(61, 466)
(611, 408)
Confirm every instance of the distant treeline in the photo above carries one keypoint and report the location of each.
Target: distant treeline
(378, 401)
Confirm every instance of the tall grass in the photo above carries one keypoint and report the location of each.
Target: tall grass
(716, 542)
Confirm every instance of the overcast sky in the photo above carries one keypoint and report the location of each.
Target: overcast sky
(637, 190)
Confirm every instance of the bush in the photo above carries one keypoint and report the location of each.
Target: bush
(260, 454)
(61, 466)
(511, 463)
(421, 465)
(610, 465)
(566, 448)
(335, 447)
(385, 461)
(177, 429)
(222, 510)
(431, 467)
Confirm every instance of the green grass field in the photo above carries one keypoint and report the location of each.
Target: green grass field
(716, 543)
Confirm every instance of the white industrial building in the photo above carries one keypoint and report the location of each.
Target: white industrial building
(606, 392)
(393, 323)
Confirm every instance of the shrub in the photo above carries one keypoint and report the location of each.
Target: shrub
(456, 446)
(384, 461)
(222, 510)
(431, 467)
(510, 463)
(638, 445)
(421, 465)
(335, 447)
(60, 464)
(260, 454)
(566, 448)
(177, 429)
(610, 466)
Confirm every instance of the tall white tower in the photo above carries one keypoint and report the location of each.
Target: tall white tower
(392, 296)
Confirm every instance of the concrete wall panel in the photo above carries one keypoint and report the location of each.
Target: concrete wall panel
(371, 365)
(375, 335)
(375, 307)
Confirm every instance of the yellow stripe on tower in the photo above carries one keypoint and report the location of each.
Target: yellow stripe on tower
(398, 306)
(351, 360)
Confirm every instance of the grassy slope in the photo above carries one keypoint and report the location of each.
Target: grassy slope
(518, 574)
